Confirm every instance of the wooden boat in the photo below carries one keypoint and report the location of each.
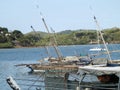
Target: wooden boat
(51, 63)
(60, 61)
(106, 73)
(58, 66)
(54, 70)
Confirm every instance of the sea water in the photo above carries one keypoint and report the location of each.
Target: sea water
(11, 57)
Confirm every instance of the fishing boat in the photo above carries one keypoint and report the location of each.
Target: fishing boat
(54, 66)
(108, 72)
(57, 66)
(104, 73)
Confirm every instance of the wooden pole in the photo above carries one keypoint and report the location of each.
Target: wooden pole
(12, 83)
(54, 45)
(99, 29)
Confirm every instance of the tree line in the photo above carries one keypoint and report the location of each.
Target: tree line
(16, 38)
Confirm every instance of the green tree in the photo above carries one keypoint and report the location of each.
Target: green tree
(3, 32)
(17, 34)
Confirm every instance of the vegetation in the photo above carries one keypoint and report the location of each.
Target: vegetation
(68, 37)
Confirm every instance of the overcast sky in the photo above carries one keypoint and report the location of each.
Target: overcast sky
(59, 14)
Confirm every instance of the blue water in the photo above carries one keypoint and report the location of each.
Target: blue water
(10, 57)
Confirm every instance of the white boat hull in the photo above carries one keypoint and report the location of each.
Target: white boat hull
(97, 49)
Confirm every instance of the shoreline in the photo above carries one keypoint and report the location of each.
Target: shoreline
(48, 46)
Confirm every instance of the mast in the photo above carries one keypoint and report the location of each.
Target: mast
(35, 31)
(39, 38)
(54, 45)
(54, 35)
(98, 39)
(103, 39)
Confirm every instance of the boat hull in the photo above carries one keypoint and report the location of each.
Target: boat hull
(108, 78)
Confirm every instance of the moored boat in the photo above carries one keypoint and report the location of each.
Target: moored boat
(97, 49)
(106, 73)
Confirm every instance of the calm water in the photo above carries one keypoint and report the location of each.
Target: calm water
(11, 57)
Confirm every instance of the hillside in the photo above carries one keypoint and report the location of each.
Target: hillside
(66, 37)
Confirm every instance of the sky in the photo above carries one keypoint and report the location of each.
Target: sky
(59, 14)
